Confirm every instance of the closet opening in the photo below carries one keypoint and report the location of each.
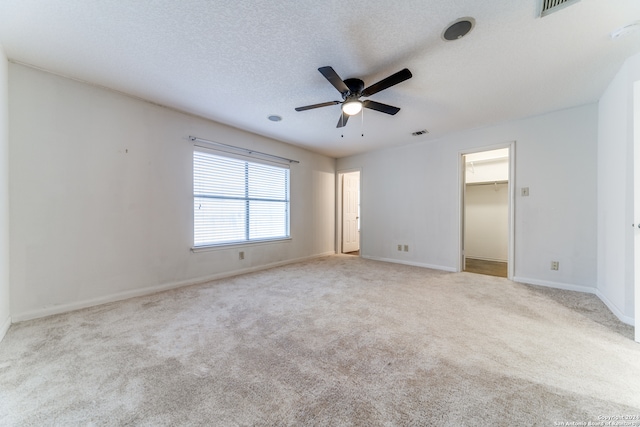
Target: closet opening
(486, 210)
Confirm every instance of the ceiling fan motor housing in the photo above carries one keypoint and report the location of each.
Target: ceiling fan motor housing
(356, 86)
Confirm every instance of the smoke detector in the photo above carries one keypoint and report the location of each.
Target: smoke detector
(631, 28)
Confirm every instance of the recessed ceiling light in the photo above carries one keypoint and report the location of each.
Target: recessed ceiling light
(275, 118)
(625, 30)
(458, 29)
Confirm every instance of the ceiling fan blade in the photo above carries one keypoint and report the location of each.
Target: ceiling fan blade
(383, 84)
(343, 120)
(378, 106)
(334, 79)
(324, 104)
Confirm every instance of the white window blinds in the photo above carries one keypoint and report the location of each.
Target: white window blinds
(238, 201)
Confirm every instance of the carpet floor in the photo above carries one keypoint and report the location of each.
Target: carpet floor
(339, 340)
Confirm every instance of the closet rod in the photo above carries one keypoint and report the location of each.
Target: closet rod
(246, 150)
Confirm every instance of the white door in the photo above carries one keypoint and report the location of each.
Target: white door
(350, 214)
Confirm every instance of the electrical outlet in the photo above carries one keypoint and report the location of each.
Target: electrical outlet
(399, 247)
(525, 191)
(555, 265)
(406, 248)
(241, 255)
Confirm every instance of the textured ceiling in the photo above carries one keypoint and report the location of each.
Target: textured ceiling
(239, 62)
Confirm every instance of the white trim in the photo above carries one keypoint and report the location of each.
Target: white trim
(556, 285)
(585, 289)
(511, 250)
(636, 204)
(63, 308)
(614, 309)
(415, 264)
(249, 243)
(5, 327)
(486, 259)
(511, 262)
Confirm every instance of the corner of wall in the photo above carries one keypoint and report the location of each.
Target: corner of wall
(615, 187)
(5, 314)
(4, 327)
(629, 320)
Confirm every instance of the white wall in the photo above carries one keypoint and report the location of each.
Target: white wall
(101, 197)
(486, 215)
(615, 192)
(5, 313)
(411, 194)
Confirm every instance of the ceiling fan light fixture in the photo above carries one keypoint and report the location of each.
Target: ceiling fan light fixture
(352, 108)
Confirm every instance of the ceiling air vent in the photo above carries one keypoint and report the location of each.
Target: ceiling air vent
(550, 6)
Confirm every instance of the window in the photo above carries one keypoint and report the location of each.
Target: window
(237, 201)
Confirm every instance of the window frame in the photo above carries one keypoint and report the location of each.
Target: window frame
(246, 199)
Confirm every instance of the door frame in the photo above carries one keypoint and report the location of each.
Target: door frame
(338, 218)
(511, 203)
(636, 208)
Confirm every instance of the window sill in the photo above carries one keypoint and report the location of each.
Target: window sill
(223, 246)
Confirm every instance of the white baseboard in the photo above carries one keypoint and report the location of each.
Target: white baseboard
(5, 327)
(485, 258)
(556, 285)
(586, 289)
(614, 309)
(77, 305)
(415, 264)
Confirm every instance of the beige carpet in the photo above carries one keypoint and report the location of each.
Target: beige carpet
(335, 341)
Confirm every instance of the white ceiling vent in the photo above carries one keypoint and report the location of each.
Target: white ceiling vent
(550, 6)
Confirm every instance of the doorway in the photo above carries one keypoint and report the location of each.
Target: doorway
(349, 201)
(486, 232)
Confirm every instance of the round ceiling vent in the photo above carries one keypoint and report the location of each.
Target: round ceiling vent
(458, 29)
(275, 118)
